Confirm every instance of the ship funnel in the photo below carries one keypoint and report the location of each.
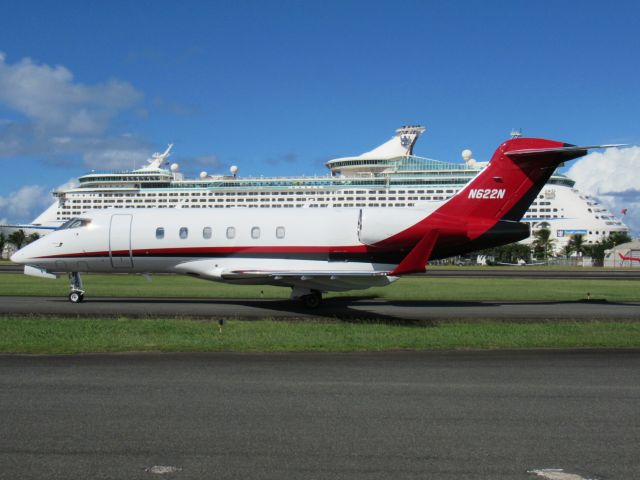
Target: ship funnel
(408, 136)
(157, 160)
(398, 146)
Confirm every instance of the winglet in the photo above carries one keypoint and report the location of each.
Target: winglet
(416, 260)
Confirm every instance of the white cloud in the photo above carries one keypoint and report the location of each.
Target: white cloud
(51, 99)
(25, 204)
(116, 157)
(65, 121)
(613, 177)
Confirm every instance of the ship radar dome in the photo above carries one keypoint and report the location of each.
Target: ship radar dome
(466, 154)
(233, 170)
(175, 167)
(203, 175)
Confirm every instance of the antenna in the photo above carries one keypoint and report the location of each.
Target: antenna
(516, 133)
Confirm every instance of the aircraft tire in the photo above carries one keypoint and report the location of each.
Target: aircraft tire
(76, 297)
(312, 300)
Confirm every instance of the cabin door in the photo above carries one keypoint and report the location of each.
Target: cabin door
(120, 241)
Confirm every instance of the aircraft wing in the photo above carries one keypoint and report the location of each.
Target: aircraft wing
(301, 274)
(314, 280)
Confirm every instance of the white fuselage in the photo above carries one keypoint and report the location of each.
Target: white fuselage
(221, 245)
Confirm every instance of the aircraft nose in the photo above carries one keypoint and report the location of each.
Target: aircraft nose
(19, 256)
(24, 255)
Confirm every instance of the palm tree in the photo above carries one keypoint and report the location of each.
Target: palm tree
(577, 244)
(18, 238)
(32, 238)
(617, 238)
(543, 243)
(599, 248)
(567, 250)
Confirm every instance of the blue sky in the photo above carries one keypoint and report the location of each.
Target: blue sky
(279, 87)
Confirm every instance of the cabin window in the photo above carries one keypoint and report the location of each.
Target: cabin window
(280, 232)
(184, 232)
(255, 232)
(160, 233)
(231, 232)
(206, 232)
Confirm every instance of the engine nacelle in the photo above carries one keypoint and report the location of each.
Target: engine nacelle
(376, 225)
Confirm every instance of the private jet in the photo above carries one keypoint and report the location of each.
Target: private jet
(309, 250)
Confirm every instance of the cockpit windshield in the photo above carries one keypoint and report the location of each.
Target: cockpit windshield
(74, 223)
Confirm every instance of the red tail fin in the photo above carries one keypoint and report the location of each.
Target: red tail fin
(508, 185)
(487, 211)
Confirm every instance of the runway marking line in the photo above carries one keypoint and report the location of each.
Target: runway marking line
(556, 474)
(162, 469)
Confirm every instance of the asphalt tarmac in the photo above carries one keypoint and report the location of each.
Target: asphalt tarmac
(446, 415)
(335, 308)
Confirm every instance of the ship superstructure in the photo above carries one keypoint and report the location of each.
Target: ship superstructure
(389, 176)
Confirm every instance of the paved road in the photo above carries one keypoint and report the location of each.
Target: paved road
(466, 415)
(10, 268)
(340, 308)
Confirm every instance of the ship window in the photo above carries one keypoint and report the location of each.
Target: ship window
(231, 232)
(255, 232)
(160, 233)
(184, 232)
(206, 232)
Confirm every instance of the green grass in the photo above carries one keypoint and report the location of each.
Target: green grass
(64, 335)
(37, 335)
(415, 288)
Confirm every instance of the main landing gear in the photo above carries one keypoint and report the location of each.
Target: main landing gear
(77, 292)
(309, 298)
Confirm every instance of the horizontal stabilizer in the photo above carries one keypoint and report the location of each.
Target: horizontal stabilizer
(567, 149)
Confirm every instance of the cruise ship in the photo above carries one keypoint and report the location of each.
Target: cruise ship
(389, 176)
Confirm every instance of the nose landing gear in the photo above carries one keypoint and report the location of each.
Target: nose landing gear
(77, 292)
